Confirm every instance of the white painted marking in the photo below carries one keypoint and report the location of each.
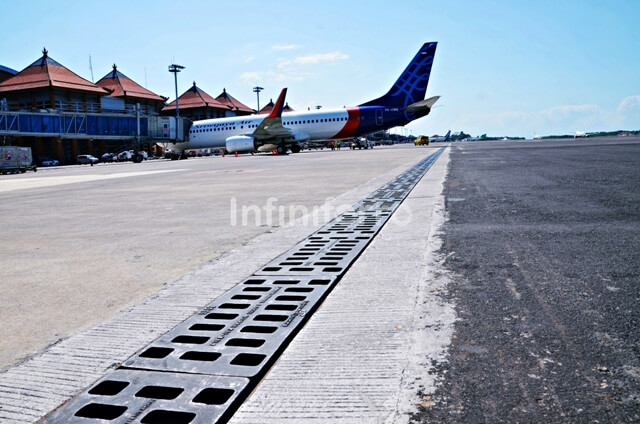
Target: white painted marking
(27, 183)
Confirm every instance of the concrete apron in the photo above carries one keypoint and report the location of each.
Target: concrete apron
(33, 388)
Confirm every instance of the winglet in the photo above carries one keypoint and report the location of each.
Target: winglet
(276, 112)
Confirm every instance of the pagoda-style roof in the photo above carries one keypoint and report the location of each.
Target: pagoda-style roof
(195, 98)
(121, 85)
(269, 106)
(232, 103)
(47, 73)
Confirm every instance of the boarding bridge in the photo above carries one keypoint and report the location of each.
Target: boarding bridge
(96, 126)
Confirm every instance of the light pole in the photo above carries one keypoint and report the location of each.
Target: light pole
(257, 90)
(175, 69)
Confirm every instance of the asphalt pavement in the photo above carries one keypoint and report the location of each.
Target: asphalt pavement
(543, 246)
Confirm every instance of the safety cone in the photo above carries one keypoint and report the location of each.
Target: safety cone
(223, 153)
(235, 154)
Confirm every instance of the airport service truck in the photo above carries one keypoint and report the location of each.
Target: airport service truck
(14, 159)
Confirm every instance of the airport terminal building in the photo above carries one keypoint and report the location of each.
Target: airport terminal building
(60, 115)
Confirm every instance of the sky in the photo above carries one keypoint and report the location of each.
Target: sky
(504, 68)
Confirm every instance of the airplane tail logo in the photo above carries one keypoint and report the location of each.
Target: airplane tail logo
(411, 87)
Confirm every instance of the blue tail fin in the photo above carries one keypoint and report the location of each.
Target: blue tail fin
(411, 87)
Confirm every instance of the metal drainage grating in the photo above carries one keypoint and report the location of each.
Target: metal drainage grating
(203, 369)
(240, 333)
(131, 396)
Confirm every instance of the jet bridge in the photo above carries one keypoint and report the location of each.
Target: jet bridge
(105, 126)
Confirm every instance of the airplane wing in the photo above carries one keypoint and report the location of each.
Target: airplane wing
(271, 127)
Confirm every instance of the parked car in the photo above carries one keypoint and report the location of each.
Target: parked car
(124, 156)
(47, 161)
(108, 157)
(361, 143)
(87, 159)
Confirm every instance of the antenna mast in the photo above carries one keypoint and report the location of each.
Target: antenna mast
(91, 68)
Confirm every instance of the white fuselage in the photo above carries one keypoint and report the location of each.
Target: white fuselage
(307, 125)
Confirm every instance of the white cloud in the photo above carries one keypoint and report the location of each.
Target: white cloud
(629, 102)
(313, 59)
(280, 47)
(251, 76)
(320, 57)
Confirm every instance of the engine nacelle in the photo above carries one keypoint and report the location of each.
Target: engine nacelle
(240, 143)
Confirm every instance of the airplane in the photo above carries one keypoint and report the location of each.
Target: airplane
(478, 138)
(445, 137)
(282, 132)
(581, 134)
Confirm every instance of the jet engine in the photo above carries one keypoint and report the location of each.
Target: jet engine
(240, 143)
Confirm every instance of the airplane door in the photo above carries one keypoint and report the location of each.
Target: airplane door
(379, 116)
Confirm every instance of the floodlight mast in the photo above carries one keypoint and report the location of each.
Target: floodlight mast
(257, 90)
(175, 69)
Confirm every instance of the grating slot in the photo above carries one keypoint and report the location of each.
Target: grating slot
(271, 318)
(156, 352)
(248, 360)
(286, 282)
(164, 416)
(273, 268)
(160, 392)
(332, 269)
(190, 340)
(258, 329)
(246, 297)
(277, 307)
(245, 342)
(109, 388)
(217, 315)
(291, 298)
(256, 289)
(206, 327)
(299, 290)
(101, 411)
(200, 356)
(213, 396)
(234, 306)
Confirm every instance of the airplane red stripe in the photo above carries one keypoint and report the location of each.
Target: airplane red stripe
(352, 124)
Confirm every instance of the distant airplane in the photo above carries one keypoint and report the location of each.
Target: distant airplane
(581, 134)
(445, 137)
(285, 131)
(537, 137)
(480, 137)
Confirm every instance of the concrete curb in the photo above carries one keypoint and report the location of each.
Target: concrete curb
(369, 350)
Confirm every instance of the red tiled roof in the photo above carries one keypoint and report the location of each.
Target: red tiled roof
(121, 85)
(269, 106)
(231, 103)
(46, 72)
(193, 98)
